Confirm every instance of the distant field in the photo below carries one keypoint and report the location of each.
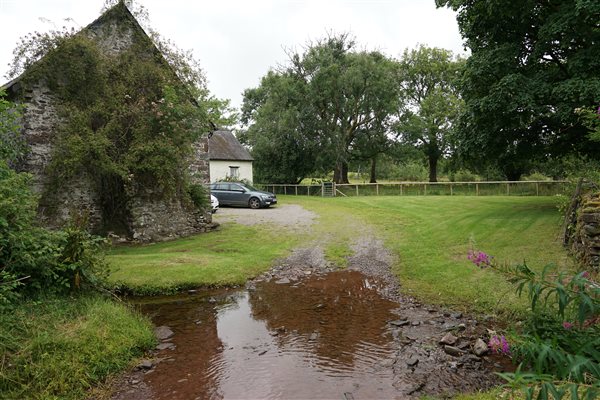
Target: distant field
(430, 237)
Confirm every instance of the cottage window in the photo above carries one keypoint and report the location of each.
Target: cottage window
(234, 172)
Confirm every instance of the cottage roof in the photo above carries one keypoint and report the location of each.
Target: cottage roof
(223, 145)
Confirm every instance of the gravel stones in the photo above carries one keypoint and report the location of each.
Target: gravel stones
(146, 364)
(449, 339)
(165, 346)
(412, 362)
(480, 348)
(163, 332)
(453, 351)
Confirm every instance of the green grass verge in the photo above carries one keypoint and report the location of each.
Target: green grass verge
(60, 348)
(228, 256)
(431, 236)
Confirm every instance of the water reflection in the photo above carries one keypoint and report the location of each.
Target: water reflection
(340, 318)
(319, 338)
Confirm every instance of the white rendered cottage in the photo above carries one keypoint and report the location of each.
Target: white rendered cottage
(228, 158)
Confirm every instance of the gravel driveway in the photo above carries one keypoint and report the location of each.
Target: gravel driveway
(291, 216)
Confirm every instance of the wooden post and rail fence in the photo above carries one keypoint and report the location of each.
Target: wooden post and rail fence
(491, 188)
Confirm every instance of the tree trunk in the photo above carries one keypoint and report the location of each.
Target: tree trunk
(433, 160)
(340, 173)
(373, 178)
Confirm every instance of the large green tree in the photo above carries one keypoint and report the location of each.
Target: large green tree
(284, 150)
(316, 112)
(533, 64)
(428, 78)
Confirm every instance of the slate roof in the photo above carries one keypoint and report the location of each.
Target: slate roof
(224, 146)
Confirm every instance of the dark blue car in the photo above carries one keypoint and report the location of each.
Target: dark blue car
(241, 194)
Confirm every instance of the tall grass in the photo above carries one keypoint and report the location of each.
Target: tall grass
(58, 348)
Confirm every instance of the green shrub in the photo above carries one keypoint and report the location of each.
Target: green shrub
(560, 341)
(34, 259)
(12, 144)
(8, 289)
(536, 176)
(410, 171)
(199, 196)
(463, 175)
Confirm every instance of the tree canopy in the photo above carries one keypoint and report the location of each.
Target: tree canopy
(318, 111)
(532, 65)
(429, 78)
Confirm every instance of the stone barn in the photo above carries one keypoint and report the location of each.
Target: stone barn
(143, 212)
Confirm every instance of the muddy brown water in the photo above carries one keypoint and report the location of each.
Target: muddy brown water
(331, 335)
(323, 337)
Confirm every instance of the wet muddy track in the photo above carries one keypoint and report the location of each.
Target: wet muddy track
(433, 347)
(307, 330)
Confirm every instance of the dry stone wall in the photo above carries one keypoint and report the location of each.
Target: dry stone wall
(57, 204)
(585, 242)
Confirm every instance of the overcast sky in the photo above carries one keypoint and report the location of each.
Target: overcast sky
(237, 41)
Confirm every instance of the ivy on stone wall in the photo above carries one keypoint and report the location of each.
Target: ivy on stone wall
(126, 121)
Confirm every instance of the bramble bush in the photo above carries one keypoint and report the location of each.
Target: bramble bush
(558, 348)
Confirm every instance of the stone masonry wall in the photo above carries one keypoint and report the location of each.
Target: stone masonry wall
(585, 242)
(57, 204)
(158, 220)
(199, 163)
(151, 219)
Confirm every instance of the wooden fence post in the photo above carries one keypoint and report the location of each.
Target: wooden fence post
(377, 188)
(477, 189)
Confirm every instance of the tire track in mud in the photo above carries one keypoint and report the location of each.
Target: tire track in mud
(422, 365)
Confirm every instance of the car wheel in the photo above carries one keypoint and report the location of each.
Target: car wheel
(254, 203)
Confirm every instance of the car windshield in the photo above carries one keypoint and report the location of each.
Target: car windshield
(250, 187)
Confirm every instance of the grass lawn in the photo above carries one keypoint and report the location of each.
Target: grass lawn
(228, 256)
(430, 237)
